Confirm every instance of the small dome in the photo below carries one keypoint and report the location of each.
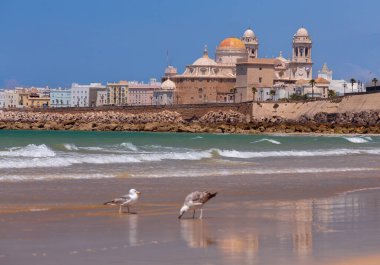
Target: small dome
(249, 34)
(231, 44)
(168, 85)
(302, 32)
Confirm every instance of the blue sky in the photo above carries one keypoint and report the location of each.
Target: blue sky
(54, 43)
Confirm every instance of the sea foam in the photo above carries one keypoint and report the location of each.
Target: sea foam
(334, 152)
(31, 150)
(71, 147)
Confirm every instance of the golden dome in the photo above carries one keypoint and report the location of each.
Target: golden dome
(231, 43)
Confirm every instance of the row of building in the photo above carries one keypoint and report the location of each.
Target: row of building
(92, 95)
(237, 74)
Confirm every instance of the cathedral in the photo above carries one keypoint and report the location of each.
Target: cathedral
(237, 73)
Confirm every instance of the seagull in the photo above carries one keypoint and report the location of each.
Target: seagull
(195, 200)
(125, 200)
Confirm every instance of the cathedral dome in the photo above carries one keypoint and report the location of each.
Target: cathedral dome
(249, 34)
(231, 44)
(168, 85)
(302, 32)
(205, 61)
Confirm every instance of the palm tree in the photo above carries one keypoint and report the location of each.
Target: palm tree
(272, 93)
(352, 81)
(312, 83)
(374, 81)
(254, 90)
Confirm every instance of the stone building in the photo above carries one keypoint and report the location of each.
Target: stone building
(256, 74)
(84, 95)
(206, 81)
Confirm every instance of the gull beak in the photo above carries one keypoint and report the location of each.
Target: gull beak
(137, 192)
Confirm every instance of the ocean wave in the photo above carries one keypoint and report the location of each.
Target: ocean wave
(197, 137)
(266, 140)
(31, 150)
(358, 140)
(67, 161)
(129, 146)
(334, 152)
(70, 147)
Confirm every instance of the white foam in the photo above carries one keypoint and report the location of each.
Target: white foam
(71, 147)
(129, 146)
(356, 140)
(197, 137)
(334, 152)
(234, 172)
(19, 178)
(31, 150)
(266, 140)
(360, 190)
(67, 160)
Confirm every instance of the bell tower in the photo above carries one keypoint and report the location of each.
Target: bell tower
(251, 43)
(301, 59)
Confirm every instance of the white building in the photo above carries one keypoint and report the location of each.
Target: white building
(164, 95)
(2, 99)
(101, 98)
(80, 94)
(9, 99)
(60, 98)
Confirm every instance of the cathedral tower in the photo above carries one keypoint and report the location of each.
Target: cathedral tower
(251, 43)
(301, 60)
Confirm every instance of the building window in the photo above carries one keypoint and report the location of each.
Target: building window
(260, 79)
(260, 68)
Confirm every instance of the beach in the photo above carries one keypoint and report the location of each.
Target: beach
(281, 199)
(296, 221)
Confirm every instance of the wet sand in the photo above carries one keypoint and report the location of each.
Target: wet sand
(284, 219)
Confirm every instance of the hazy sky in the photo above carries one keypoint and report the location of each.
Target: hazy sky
(56, 42)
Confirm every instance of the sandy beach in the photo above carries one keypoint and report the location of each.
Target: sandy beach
(283, 219)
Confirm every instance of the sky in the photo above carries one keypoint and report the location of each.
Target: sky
(55, 43)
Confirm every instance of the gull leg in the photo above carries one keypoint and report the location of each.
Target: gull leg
(200, 217)
(193, 213)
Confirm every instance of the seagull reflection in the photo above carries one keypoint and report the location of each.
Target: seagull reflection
(195, 233)
(132, 230)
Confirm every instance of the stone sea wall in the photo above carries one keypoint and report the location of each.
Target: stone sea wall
(223, 121)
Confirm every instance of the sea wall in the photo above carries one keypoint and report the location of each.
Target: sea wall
(295, 110)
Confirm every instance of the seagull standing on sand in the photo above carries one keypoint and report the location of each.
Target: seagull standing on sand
(195, 200)
(125, 200)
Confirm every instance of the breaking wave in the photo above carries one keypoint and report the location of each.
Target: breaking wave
(129, 146)
(31, 150)
(65, 161)
(335, 152)
(71, 147)
(266, 140)
(358, 140)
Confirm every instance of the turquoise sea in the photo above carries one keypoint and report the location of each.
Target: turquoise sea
(46, 155)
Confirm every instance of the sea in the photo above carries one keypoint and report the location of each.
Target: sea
(52, 155)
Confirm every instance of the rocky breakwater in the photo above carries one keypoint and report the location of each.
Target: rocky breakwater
(211, 122)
